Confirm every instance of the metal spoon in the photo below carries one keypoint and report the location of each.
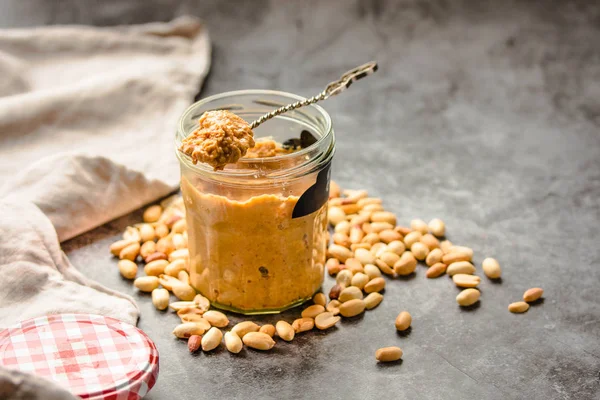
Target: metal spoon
(332, 89)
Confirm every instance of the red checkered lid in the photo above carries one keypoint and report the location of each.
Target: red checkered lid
(94, 357)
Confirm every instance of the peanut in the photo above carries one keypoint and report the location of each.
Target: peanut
(326, 320)
(406, 265)
(258, 341)
(437, 227)
(430, 241)
(355, 246)
(384, 216)
(352, 308)
(460, 267)
(341, 239)
(375, 285)
(314, 310)
(354, 265)
(388, 354)
(165, 245)
(183, 291)
(372, 271)
(152, 213)
(184, 277)
(147, 248)
(434, 257)
(356, 234)
(128, 269)
(212, 339)
(419, 250)
(194, 342)
(133, 234)
(187, 329)
(373, 300)
(320, 298)
(491, 268)
(389, 258)
(350, 208)
(334, 190)
(180, 305)
(396, 246)
(179, 241)
(216, 318)
(376, 227)
(285, 331)
(333, 266)
(532, 294)
(130, 252)
(344, 277)
(383, 267)
(358, 220)
(466, 281)
(335, 291)
(146, 283)
(419, 225)
(455, 256)
(342, 227)
(119, 245)
(303, 324)
(403, 321)
(368, 201)
(378, 247)
(364, 256)
(389, 235)
(268, 329)
(412, 238)
(518, 307)
(181, 254)
(403, 230)
(339, 252)
(462, 249)
(179, 226)
(245, 327)
(359, 280)
(202, 302)
(371, 238)
(157, 255)
(233, 343)
(155, 268)
(161, 230)
(372, 207)
(174, 268)
(333, 307)
(147, 232)
(468, 297)
(160, 298)
(446, 245)
(347, 294)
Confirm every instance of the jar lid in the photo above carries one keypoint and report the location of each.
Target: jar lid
(94, 357)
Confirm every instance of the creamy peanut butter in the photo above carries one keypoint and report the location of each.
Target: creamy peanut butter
(222, 138)
(252, 255)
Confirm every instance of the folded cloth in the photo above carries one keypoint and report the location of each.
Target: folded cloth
(87, 123)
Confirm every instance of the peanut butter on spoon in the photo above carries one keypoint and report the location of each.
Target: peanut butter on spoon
(222, 138)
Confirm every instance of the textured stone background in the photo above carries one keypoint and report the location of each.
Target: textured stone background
(483, 113)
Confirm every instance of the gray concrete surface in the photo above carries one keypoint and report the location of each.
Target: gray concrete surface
(483, 113)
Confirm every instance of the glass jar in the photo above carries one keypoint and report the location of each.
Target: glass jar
(257, 230)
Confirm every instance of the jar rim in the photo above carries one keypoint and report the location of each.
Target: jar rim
(206, 169)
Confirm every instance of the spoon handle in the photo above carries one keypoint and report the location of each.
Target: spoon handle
(332, 89)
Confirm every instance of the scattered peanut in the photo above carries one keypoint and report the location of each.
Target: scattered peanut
(303, 324)
(344, 278)
(375, 285)
(180, 305)
(460, 267)
(430, 241)
(320, 298)
(491, 268)
(233, 343)
(352, 308)
(373, 300)
(335, 291)
(194, 342)
(403, 321)
(147, 248)
(146, 283)
(434, 257)
(419, 250)
(437, 227)
(258, 341)
(532, 294)
(364, 256)
(350, 293)
(216, 318)
(468, 297)
(130, 252)
(406, 265)
(388, 354)
(156, 268)
(285, 331)
(436, 270)
(455, 256)
(187, 329)
(152, 213)
(446, 245)
(128, 269)
(354, 265)
(326, 320)
(243, 328)
(518, 307)
(160, 298)
(119, 245)
(372, 271)
(334, 307)
(419, 225)
(268, 329)
(212, 339)
(359, 280)
(466, 281)
(339, 252)
(314, 310)
(412, 238)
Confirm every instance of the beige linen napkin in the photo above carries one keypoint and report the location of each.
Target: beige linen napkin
(87, 123)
